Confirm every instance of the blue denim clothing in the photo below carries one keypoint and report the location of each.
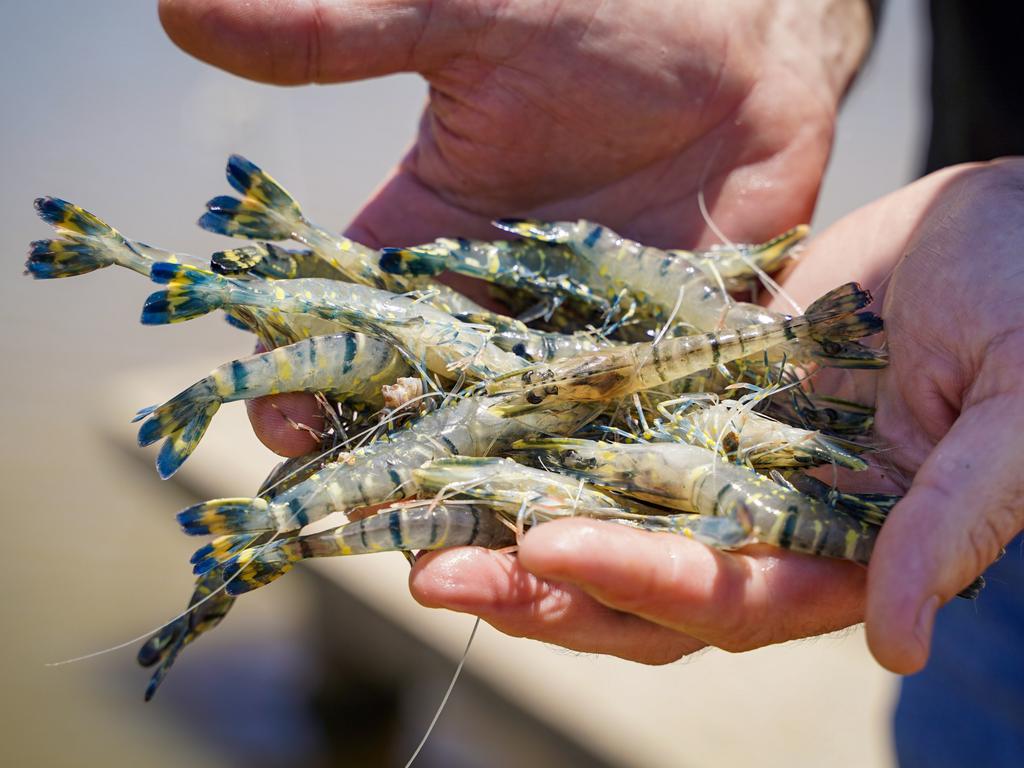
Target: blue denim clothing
(967, 707)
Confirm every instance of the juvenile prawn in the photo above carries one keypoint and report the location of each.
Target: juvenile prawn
(348, 367)
(696, 480)
(529, 496)
(399, 528)
(593, 265)
(383, 470)
(443, 344)
(825, 329)
(662, 284)
(482, 503)
(739, 433)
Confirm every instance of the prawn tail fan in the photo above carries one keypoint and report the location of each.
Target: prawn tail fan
(207, 607)
(190, 293)
(221, 516)
(183, 421)
(258, 566)
(834, 323)
(265, 210)
(88, 243)
(68, 219)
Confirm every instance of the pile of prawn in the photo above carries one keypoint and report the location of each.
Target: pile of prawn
(626, 384)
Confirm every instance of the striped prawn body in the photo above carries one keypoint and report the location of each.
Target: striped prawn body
(825, 329)
(349, 367)
(442, 343)
(741, 434)
(401, 528)
(592, 264)
(695, 480)
(381, 471)
(656, 279)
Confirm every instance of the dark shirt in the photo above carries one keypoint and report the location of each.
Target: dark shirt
(977, 83)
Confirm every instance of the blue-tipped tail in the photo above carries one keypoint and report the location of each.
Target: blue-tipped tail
(256, 567)
(70, 219)
(265, 212)
(223, 549)
(253, 182)
(49, 259)
(183, 420)
(180, 445)
(222, 516)
(207, 607)
(91, 243)
(191, 293)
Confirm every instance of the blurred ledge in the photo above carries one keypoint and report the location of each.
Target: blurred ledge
(810, 700)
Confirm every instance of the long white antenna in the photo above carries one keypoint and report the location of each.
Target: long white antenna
(451, 685)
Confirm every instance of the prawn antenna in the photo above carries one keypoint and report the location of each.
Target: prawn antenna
(447, 694)
(769, 282)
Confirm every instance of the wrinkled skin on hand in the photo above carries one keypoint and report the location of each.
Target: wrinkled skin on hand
(617, 112)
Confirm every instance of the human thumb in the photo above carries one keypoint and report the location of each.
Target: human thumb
(290, 42)
(964, 505)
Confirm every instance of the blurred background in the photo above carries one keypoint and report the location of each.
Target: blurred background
(335, 665)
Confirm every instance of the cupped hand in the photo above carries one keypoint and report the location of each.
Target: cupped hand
(944, 258)
(950, 406)
(617, 112)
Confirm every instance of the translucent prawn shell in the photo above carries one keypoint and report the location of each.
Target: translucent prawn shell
(656, 279)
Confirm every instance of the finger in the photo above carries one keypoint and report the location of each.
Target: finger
(733, 601)
(495, 586)
(288, 42)
(964, 505)
(276, 420)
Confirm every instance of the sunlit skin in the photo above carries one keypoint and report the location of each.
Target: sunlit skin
(564, 109)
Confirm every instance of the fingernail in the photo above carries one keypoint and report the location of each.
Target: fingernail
(925, 621)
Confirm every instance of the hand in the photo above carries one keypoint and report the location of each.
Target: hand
(951, 406)
(565, 108)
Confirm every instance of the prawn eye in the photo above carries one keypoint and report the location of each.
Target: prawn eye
(832, 415)
(831, 347)
(534, 397)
